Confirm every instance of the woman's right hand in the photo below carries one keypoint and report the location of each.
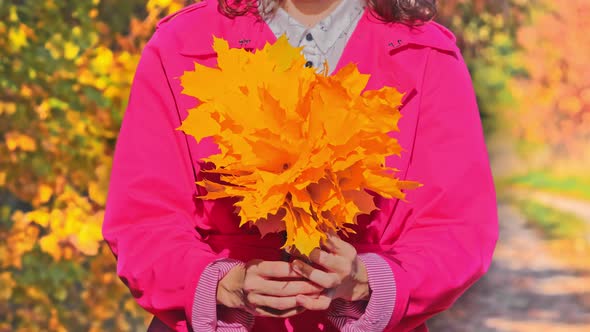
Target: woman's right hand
(265, 288)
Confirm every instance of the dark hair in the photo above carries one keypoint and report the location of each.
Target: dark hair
(403, 11)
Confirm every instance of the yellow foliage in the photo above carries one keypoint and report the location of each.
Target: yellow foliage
(170, 5)
(43, 110)
(15, 140)
(44, 193)
(13, 14)
(7, 108)
(50, 244)
(553, 98)
(154, 4)
(300, 153)
(40, 217)
(35, 294)
(103, 61)
(26, 91)
(19, 240)
(96, 193)
(89, 237)
(54, 323)
(7, 284)
(17, 38)
(71, 50)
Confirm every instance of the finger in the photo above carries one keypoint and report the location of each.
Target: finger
(326, 244)
(327, 260)
(277, 269)
(337, 246)
(270, 312)
(320, 303)
(287, 288)
(324, 279)
(278, 303)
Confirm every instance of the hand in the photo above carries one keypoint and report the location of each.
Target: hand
(342, 274)
(265, 288)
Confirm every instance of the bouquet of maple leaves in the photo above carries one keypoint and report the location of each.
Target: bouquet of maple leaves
(300, 149)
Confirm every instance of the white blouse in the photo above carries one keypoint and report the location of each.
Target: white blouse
(326, 40)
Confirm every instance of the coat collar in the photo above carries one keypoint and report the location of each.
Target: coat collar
(252, 32)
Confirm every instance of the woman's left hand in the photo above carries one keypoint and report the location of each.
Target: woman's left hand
(341, 273)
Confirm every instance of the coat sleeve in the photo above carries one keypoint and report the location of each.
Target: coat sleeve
(449, 227)
(363, 315)
(207, 316)
(150, 216)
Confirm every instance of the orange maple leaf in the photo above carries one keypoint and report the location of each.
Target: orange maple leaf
(306, 154)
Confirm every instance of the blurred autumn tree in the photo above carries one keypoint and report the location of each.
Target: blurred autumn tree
(486, 31)
(65, 73)
(554, 96)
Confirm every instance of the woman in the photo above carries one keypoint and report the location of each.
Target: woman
(186, 260)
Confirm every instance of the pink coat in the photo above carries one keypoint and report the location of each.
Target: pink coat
(437, 244)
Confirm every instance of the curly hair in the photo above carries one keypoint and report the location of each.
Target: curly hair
(411, 12)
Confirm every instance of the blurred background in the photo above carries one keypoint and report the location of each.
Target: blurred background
(65, 72)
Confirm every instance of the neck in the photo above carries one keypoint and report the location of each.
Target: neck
(310, 12)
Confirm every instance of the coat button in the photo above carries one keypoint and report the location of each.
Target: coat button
(309, 64)
(309, 37)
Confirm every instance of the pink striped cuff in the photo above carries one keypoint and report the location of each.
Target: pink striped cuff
(206, 314)
(372, 316)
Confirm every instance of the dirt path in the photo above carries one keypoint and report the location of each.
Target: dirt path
(578, 207)
(528, 288)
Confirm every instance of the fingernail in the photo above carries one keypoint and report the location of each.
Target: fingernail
(297, 266)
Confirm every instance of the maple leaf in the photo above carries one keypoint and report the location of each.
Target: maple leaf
(301, 159)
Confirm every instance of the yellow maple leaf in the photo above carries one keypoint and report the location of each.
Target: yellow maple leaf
(299, 159)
